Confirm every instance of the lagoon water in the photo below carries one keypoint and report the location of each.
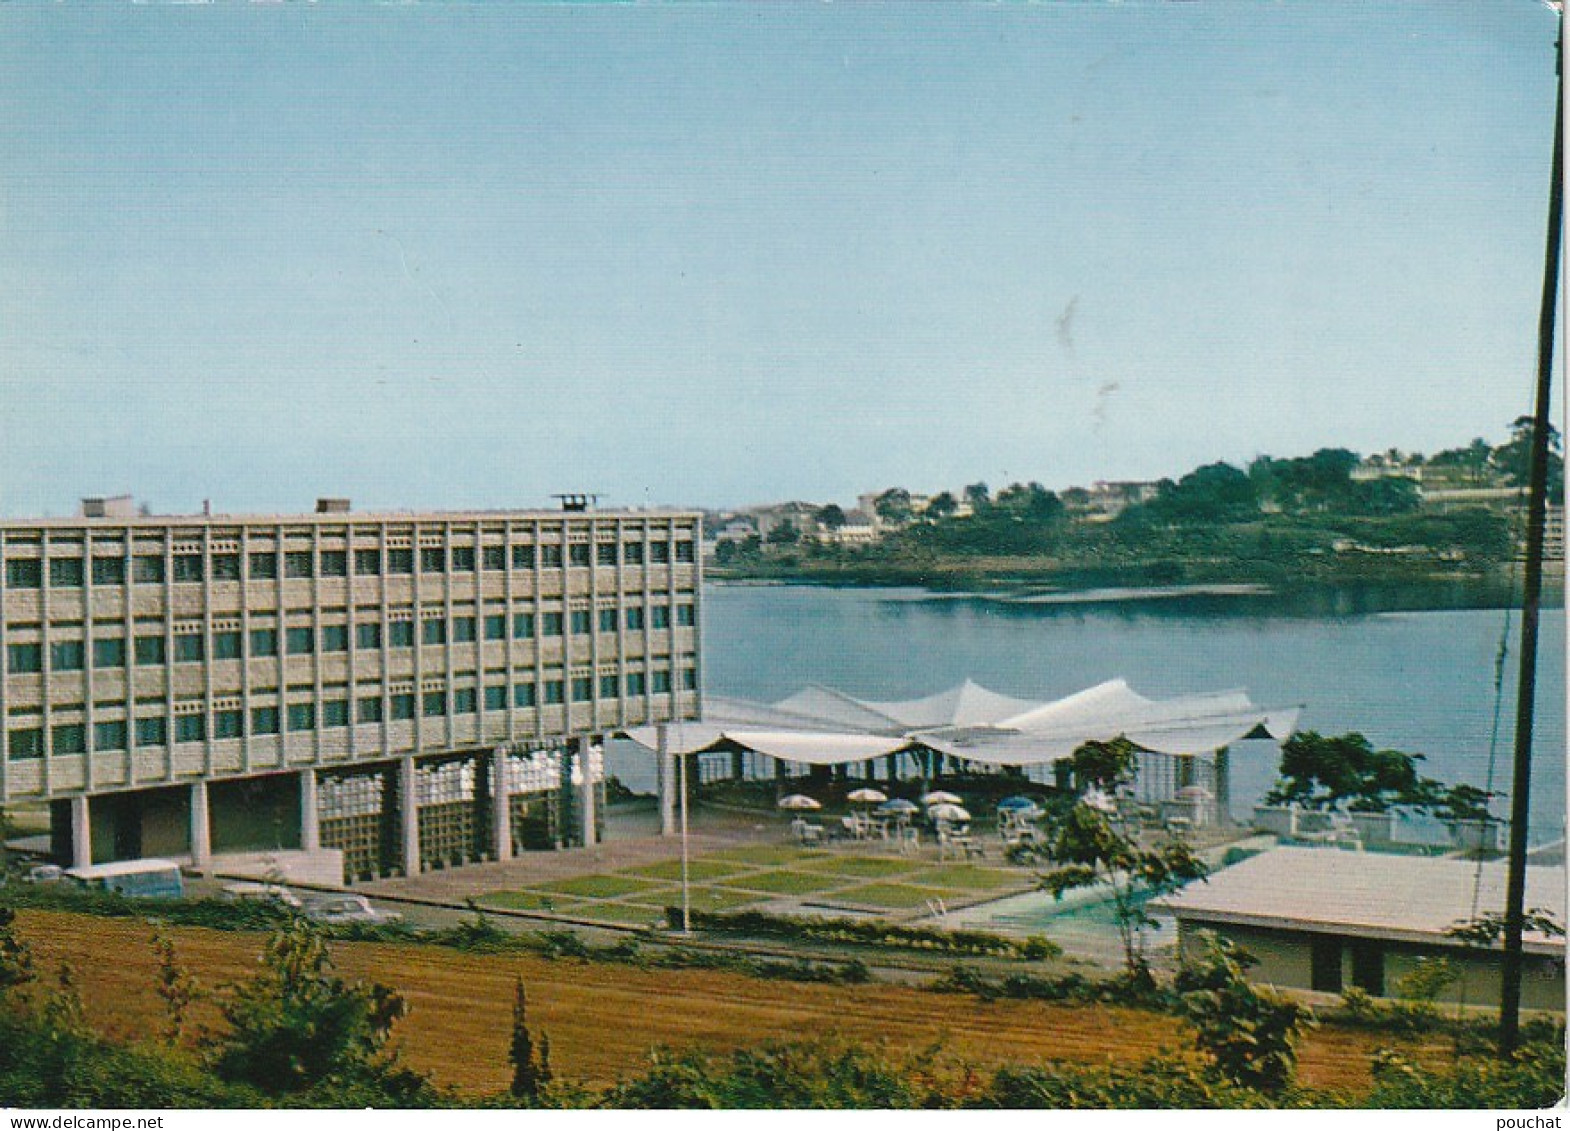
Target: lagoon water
(1419, 681)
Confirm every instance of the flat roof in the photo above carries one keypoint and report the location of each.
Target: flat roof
(122, 868)
(347, 518)
(1369, 894)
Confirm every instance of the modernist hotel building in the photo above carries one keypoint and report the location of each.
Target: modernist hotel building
(414, 690)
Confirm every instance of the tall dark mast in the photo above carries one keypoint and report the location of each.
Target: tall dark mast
(1537, 506)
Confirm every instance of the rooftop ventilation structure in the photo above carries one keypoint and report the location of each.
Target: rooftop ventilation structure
(577, 501)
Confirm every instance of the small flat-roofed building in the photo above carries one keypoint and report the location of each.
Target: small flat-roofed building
(1325, 919)
(414, 690)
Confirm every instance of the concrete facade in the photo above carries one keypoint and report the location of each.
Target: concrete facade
(170, 653)
(1328, 962)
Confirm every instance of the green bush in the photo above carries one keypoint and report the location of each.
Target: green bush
(1533, 1078)
(870, 932)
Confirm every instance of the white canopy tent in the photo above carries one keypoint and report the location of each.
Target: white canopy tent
(824, 727)
(819, 726)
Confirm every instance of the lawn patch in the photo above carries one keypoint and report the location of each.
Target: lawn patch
(878, 867)
(699, 870)
(767, 854)
(599, 887)
(785, 882)
(703, 899)
(893, 896)
(969, 877)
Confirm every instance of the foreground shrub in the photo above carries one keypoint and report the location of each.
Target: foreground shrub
(1161, 1082)
(816, 1075)
(871, 932)
(1533, 1078)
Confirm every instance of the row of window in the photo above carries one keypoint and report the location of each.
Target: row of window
(71, 738)
(110, 652)
(69, 573)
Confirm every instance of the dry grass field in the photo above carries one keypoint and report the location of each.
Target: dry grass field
(603, 1019)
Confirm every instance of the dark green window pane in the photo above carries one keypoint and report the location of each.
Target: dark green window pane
(65, 573)
(403, 706)
(226, 645)
(108, 571)
(264, 641)
(335, 638)
(463, 630)
(24, 658)
(190, 728)
(226, 567)
(335, 713)
(24, 744)
(302, 716)
(264, 565)
(68, 738)
(433, 631)
(463, 700)
(147, 570)
(152, 732)
(109, 736)
(400, 634)
(24, 573)
(264, 720)
(368, 635)
(188, 567)
(109, 653)
(297, 563)
(67, 655)
(228, 724)
(334, 563)
(299, 640)
(188, 648)
(150, 650)
(496, 698)
(496, 627)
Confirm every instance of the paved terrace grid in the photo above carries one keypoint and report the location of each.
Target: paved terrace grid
(739, 860)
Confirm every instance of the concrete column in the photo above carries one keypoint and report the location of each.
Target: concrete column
(586, 806)
(201, 826)
(409, 815)
(501, 807)
(310, 814)
(81, 833)
(1185, 771)
(666, 768)
(1223, 788)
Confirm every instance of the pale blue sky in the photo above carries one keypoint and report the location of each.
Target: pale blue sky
(710, 254)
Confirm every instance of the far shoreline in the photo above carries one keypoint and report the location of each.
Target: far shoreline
(1308, 596)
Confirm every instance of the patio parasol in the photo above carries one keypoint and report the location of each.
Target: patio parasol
(799, 802)
(1018, 802)
(866, 796)
(940, 797)
(899, 805)
(949, 812)
(1099, 801)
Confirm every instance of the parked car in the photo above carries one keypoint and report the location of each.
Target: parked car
(248, 891)
(43, 874)
(343, 908)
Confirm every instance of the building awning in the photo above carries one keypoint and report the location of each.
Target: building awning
(823, 726)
